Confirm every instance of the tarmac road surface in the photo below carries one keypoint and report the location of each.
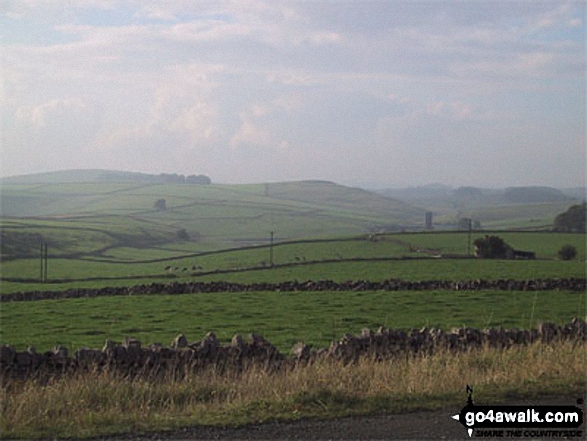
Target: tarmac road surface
(436, 424)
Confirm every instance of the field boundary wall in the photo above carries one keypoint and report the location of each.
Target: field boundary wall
(132, 360)
(567, 284)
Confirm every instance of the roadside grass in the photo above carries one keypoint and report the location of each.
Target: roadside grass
(284, 318)
(94, 404)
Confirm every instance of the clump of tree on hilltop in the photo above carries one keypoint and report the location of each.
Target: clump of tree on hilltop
(492, 247)
(572, 220)
(163, 178)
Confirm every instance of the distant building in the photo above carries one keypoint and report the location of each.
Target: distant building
(519, 254)
(429, 220)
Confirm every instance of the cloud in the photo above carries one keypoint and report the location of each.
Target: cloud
(228, 83)
(179, 103)
(257, 123)
(43, 114)
(564, 15)
(250, 133)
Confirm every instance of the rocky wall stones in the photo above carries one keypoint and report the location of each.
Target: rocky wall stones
(570, 284)
(131, 359)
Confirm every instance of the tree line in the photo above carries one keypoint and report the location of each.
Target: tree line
(163, 178)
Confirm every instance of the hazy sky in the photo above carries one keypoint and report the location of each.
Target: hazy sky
(381, 93)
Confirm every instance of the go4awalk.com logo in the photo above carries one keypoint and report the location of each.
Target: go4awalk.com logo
(521, 421)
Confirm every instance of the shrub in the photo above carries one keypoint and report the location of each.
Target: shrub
(567, 252)
(160, 205)
(183, 234)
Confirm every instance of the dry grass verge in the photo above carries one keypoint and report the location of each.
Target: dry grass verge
(98, 404)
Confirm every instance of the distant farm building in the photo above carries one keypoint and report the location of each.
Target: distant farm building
(429, 220)
(518, 254)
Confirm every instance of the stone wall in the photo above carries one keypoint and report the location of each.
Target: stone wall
(132, 359)
(570, 284)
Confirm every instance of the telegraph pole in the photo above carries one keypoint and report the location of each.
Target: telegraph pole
(43, 262)
(46, 262)
(469, 241)
(42, 278)
(271, 249)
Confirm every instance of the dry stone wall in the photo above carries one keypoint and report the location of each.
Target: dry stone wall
(131, 359)
(570, 284)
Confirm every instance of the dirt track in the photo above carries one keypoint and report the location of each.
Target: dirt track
(414, 425)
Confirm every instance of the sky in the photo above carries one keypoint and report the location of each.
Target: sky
(367, 93)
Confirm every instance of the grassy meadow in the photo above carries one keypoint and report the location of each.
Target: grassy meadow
(406, 256)
(109, 234)
(284, 318)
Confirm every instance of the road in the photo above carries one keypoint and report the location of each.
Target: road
(436, 424)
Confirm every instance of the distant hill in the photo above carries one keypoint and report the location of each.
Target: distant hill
(528, 195)
(578, 193)
(85, 176)
(330, 194)
(65, 176)
(413, 194)
(125, 204)
(530, 207)
(449, 196)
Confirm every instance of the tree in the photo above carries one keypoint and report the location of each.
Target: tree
(567, 252)
(160, 205)
(572, 220)
(199, 179)
(492, 247)
(183, 234)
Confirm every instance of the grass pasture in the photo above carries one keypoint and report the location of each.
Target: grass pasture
(352, 257)
(284, 318)
(108, 233)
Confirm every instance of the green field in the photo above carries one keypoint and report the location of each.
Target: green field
(284, 318)
(109, 234)
(333, 259)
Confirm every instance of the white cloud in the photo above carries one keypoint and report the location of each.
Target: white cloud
(261, 81)
(564, 15)
(254, 127)
(41, 114)
(156, 12)
(456, 110)
(250, 133)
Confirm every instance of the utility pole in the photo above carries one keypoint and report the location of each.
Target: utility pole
(42, 278)
(43, 262)
(46, 259)
(271, 250)
(469, 240)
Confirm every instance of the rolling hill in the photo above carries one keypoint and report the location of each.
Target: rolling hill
(113, 209)
(513, 207)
